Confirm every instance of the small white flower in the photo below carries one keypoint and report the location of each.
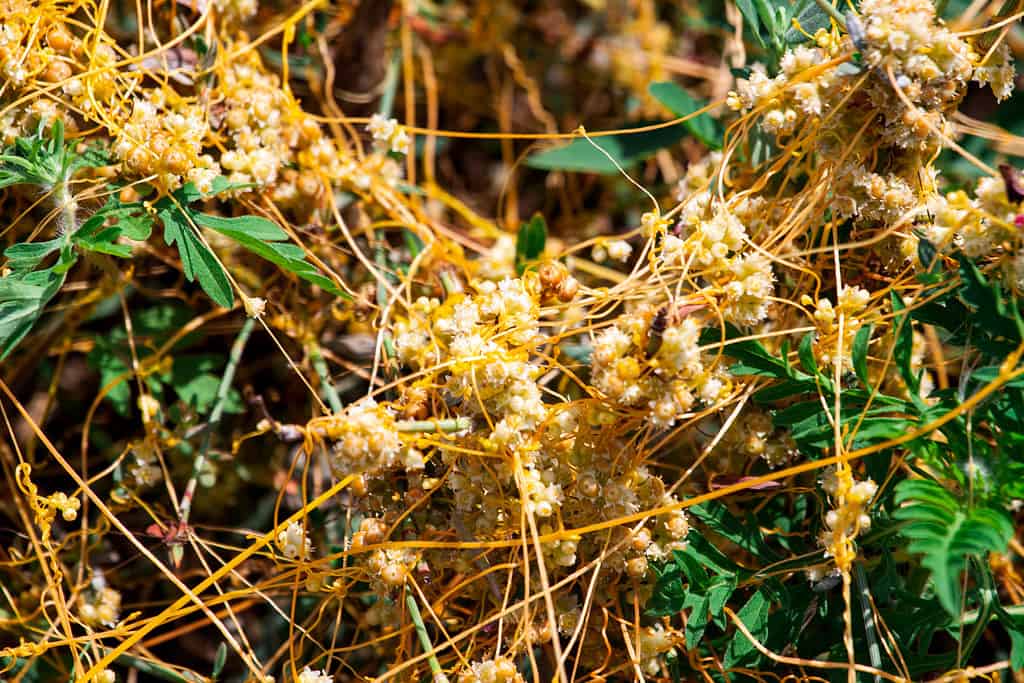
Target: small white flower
(293, 542)
(619, 250)
(314, 676)
(381, 128)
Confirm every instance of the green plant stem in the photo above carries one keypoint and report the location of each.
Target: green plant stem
(381, 259)
(155, 670)
(830, 10)
(218, 409)
(421, 631)
(448, 426)
(320, 365)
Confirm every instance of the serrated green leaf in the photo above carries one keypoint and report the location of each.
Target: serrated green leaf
(22, 301)
(681, 103)
(28, 255)
(265, 239)
(198, 262)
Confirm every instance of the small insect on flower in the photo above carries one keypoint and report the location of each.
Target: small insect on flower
(669, 314)
(856, 31)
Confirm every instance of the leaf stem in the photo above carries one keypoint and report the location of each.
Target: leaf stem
(421, 631)
(218, 409)
(830, 10)
(320, 365)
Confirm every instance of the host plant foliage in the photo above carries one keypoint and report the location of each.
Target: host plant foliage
(742, 399)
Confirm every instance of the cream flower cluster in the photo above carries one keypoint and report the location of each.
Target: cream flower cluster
(233, 12)
(604, 484)
(903, 43)
(308, 675)
(38, 54)
(850, 517)
(145, 469)
(872, 197)
(852, 303)
(365, 440)
(387, 133)
(698, 176)
(617, 250)
(752, 435)
(498, 262)
(982, 226)
(164, 137)
(497, 670)
(391, 567)
(486, 339)
(659, 371)
(991, 223)
(655, 641)
(267, 132)
(712, 245)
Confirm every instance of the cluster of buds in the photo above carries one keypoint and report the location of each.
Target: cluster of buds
(556, 282)
(497, 670)
(99, 605)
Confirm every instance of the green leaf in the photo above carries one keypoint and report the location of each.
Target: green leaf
(859, 354)
(265, 239)
(946, 533)
(625, 148)
(22, 301)
(530, 241)
(105, 358)
(751, 18)
(28, 255)
(811, 17)
(681, 103)
(754, 615)
(903, 346)
(707, 606)
(101, 230)
(219, 661)
(1016, 649)
(196, 379)
(806, 353)
(197, 260)
(745, 534)
(255, 227)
